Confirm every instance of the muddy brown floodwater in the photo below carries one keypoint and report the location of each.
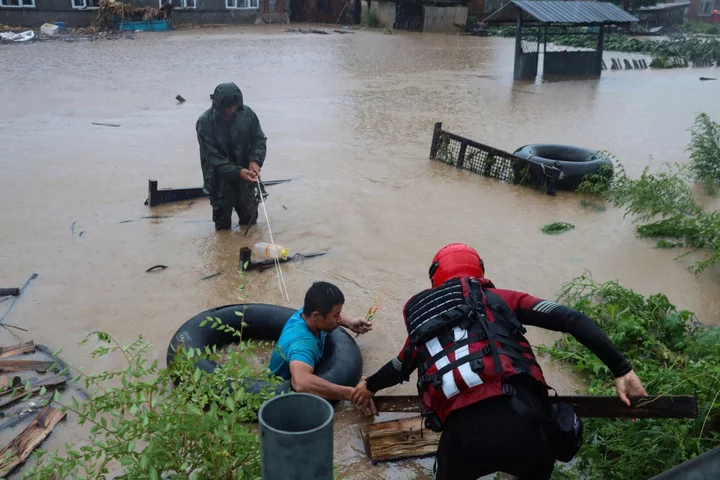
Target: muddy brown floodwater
(349, 118)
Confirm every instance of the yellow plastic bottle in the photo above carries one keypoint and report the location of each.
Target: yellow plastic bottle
(267, 251)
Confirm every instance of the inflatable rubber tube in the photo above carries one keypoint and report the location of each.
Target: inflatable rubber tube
(341, 361)
(574, 162)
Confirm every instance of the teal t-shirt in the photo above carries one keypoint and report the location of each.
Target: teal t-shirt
(296, 342)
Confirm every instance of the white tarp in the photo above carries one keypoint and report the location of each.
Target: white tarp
(18, 37)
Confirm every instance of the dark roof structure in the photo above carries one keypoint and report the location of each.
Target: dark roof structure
(561, 12)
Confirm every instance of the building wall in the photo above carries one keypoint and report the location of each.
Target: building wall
(445, 19)
(207, 11)
(385, 11)
(694, 10)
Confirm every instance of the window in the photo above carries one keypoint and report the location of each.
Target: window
(17, 3)
(706, 8)
(241, 3)
(179, 3)
(85, 4)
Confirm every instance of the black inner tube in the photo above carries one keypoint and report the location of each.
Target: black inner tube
(562, 153)
(341, 361)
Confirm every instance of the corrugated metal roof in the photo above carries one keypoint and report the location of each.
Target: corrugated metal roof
(563, 12)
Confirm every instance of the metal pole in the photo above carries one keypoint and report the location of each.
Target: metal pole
(600, 47)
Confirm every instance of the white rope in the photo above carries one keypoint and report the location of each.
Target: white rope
(281, 279)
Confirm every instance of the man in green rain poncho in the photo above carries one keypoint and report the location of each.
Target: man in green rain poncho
(232, 152)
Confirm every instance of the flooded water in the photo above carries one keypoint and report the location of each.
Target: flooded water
(349, 118)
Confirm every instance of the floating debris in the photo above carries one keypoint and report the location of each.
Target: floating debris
(208, 277)
(106, 124)
(557, 227)
(592, 206)
(180, 99)
(300, 30)
(156, 267)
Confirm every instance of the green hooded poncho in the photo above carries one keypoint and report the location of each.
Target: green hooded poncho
(227, 146)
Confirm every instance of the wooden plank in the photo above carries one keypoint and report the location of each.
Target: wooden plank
(20, 448)
(12, 350)
(24, 365)
(34, 388)
(9, 292)
(652, 406)
(396, 439)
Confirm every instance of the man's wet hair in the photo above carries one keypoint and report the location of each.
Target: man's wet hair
(321, 297)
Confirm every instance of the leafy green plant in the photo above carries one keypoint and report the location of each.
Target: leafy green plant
(200, 429)
(556, 227)
(664, 203)
(197, 430)
(671, 353)
(704, 151)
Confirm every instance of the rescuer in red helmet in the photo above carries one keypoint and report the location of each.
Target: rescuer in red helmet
(478, 378)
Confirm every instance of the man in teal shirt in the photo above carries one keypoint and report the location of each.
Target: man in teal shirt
(300, 346)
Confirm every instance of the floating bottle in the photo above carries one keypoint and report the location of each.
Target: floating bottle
(266, 251)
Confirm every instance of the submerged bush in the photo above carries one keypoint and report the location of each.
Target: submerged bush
(671, 353)
(665, 200)
(201, 430)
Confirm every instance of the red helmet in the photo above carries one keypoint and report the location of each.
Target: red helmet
(455, 260)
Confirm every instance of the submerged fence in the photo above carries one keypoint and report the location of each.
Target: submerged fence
(490, 162)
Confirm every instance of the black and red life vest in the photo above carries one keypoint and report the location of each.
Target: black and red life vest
(468, 342)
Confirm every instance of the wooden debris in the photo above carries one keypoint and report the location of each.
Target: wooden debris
(180, 99)
(652, 406)
(106, 124)
(13, 350)
(24, 365)
(9, 397)
(20, 448)
(7, 384)
(9, 292)
(396, 439)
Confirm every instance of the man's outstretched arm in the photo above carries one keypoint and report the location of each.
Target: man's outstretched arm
(396, 371)
(304, 380)
(561, 318)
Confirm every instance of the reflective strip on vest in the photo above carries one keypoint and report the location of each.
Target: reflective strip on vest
(449, 386)
(471, 379)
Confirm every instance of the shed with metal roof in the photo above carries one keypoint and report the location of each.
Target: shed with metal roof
(540, 22)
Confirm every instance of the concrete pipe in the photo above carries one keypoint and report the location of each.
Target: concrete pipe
(296, 438)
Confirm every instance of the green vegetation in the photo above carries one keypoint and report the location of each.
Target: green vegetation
(557, 227)
(198, 430)
(671, 353)
(201, 429)
(663, 203)
(694, 48)
(704, 151)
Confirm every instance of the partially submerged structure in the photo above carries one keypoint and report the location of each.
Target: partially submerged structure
(541, 23)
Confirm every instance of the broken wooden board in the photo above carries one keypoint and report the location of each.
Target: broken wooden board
(24, 365)
(398, 439)
(8, 397)
(13, 350)
(20, 448)
(651, 406)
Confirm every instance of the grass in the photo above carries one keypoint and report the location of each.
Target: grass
(671, 353)
(555, 228)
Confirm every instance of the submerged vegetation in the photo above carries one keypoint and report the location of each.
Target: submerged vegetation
(671, 353)
(557, 227)
(663, 203)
